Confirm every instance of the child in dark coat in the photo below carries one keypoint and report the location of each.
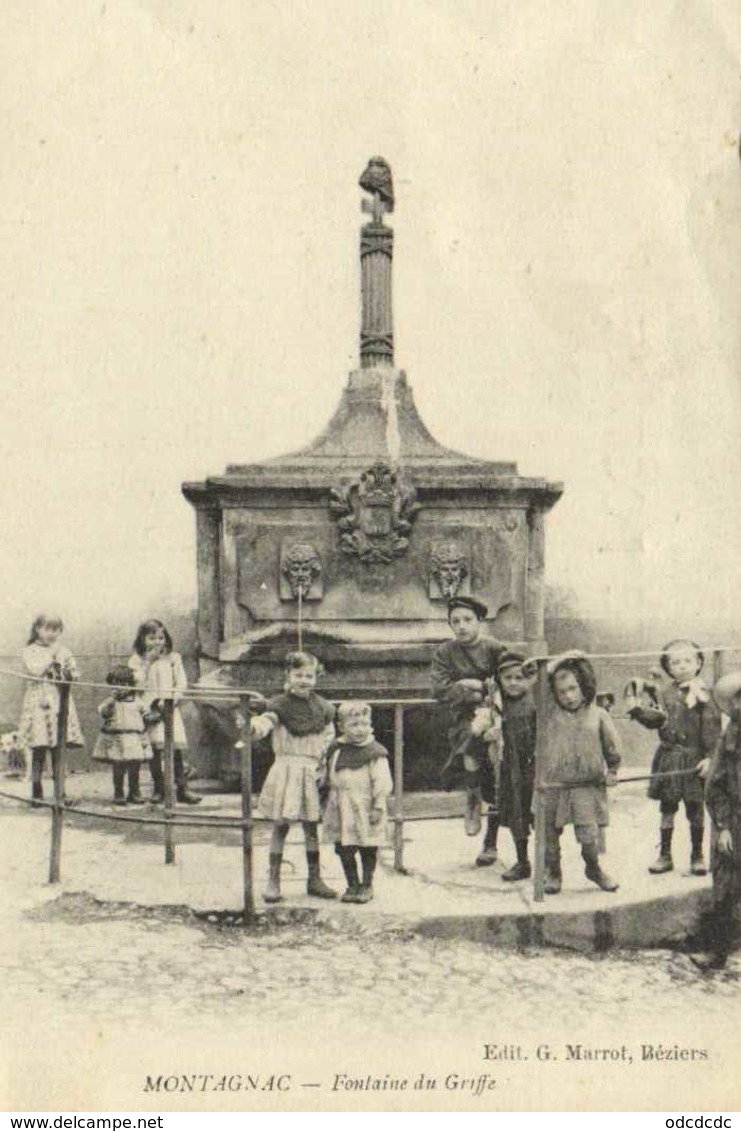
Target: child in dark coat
(517, 775)
(688, 723)
(723, 800)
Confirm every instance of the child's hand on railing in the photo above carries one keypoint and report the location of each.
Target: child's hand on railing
(610, 778)
(260, 726)
(481, 721)
(153, 714)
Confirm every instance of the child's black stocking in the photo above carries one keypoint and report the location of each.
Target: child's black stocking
(277, 841)
(349, 863)
(368, 858)
(119, 773)
(315, 884)
(158, 776)
(311, 836)
(664, 862)
(719, 937)
(182, 792)
(38, 758)
(278, 838)
(722, 929)
(696, 833)
(697, 830)
(133, 795)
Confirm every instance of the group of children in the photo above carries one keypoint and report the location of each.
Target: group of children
(343, 781)
(489, 692)
(132, 725)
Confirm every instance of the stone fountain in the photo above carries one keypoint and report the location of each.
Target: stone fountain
(354, 544)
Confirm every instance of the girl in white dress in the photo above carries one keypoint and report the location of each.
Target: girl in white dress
(359, 786)
(123, 742)
(301, 725)
(159, 673)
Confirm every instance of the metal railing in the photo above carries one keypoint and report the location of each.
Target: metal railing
(244, 697)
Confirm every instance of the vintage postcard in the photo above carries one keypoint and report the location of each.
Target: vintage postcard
(369, 673)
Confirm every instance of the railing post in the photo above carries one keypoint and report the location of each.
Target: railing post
(245, 739)
(541, 752)
(399, 788)
(60, 767)
(168, 706)
(717, 665)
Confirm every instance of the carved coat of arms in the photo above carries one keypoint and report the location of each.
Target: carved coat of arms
(375, 515)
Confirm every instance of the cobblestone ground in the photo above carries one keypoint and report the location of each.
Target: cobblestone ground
(139, 962)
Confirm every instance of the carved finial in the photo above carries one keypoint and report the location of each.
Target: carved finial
(376, 179)
(376, 253)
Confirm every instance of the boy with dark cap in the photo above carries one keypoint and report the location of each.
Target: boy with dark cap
(460, 671)
(518, 760)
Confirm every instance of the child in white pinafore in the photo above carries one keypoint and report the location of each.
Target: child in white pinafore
(159, 672)
(359, 784)
(50, 663)
(123, 742)
(301, 726)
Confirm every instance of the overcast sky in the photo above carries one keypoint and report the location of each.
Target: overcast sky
(180, 284)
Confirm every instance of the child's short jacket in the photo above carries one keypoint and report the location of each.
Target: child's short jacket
(688, 729)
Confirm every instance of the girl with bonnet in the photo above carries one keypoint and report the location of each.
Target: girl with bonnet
(688, 722)
(461, 670)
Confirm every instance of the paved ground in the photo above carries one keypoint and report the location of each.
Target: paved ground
(125, 948)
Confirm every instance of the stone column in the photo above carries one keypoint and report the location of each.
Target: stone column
(231, 616)
(208, 521)
(535, 579)
(376, 328)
